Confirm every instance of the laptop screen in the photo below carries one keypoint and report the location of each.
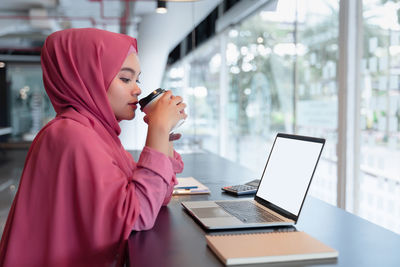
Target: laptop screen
(288, 172)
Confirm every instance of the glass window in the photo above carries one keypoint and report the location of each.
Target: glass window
(260, 63)
(30, 106)
(281, 76)
(316, 86)
(196, 79)
(203, 94)
(379, 186)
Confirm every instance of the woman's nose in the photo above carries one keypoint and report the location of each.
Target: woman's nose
(136, 90)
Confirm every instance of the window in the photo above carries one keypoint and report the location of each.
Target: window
(278, 72)
(260, 85)
(316, 86)
(196, 79)
(30, 106)
(379, 186)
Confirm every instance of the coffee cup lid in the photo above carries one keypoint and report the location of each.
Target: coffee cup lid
(145, 100)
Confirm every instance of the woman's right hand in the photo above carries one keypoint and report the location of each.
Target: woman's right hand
(165, 114)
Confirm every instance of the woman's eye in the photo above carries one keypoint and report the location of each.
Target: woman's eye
(125, 80)
(137, 81)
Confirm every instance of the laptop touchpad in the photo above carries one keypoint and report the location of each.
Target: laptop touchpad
(212, 212)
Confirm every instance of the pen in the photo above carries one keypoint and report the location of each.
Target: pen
(186, 187)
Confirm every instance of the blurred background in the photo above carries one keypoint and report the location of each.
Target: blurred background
(247, 69)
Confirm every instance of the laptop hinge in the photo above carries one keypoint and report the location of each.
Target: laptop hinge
(275, 208)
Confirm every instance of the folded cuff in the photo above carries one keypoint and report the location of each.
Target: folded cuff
(177, 163)
(157, 162)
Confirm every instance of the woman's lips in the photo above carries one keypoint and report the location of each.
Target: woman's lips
(133, 105)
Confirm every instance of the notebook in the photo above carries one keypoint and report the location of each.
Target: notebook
(280, 195)
(268, 247)
(189, 186)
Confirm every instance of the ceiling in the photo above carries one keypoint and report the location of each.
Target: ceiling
(24, 24)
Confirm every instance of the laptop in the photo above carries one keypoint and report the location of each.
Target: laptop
(280, 195)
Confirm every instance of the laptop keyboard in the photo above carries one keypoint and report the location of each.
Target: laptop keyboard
(248, 212)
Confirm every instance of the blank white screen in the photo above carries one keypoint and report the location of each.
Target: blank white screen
(288, 173)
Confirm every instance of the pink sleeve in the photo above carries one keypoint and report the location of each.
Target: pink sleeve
(177, 165)
(154, 178)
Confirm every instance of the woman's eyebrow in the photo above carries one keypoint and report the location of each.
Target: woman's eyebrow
(128, 69)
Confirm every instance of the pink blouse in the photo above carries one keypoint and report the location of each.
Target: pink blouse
(152, 191)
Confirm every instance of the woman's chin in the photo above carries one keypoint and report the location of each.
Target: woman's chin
(126, 117)
(130, 117)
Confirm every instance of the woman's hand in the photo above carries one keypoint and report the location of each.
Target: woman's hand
(166, 114)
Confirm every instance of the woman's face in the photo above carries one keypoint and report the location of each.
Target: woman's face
(124, 90)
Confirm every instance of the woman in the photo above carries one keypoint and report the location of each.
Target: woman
(81, 193)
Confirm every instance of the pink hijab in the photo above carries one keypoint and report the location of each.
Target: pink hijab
(75, 205)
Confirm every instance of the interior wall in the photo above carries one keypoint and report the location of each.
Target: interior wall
(157, 35)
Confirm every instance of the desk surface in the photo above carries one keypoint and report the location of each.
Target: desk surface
(177, 240)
